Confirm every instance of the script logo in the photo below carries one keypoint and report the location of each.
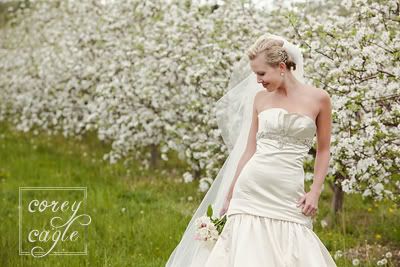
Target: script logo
(53, 221)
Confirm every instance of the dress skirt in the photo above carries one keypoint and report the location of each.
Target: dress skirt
(256, 241)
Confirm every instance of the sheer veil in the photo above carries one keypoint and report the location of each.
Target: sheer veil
(233, 114)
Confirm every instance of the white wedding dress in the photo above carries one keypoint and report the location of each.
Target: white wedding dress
(264, 227)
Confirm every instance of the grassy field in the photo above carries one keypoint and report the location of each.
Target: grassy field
(138, 216)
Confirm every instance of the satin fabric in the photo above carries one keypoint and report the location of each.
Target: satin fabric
(264, 226)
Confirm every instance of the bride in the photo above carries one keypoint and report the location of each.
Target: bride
(268, 120)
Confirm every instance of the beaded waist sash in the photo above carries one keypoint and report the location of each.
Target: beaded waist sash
(284, 138)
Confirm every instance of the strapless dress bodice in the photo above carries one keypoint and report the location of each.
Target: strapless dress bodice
(273, 178)
(286, 128)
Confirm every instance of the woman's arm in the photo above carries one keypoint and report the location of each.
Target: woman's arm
(250, 147)
(321, 165)
(309, 202)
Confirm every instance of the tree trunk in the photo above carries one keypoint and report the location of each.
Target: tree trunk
(334, 218)
(337, 203)
(197, 174)
(154, 155)
(338, 196)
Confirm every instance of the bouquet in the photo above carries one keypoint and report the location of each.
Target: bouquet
(208, 229)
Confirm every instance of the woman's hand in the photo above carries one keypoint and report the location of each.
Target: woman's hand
(225, 206)
(309, 203)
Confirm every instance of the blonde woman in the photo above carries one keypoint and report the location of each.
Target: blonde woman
(261, 186)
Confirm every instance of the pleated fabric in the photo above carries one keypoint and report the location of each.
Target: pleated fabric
(256, 241)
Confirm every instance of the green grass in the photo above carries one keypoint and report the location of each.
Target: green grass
(138, 216)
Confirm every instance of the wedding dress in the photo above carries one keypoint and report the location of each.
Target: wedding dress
(264, 227)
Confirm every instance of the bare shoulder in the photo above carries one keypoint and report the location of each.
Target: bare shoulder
(260, 94)
(262, 99)
(317, 92)
(323, 99)
(320, 94)
(258, 99)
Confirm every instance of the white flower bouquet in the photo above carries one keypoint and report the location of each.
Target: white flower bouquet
(208, 229)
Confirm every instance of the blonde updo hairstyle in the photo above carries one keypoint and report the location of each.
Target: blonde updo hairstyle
(273, 51)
